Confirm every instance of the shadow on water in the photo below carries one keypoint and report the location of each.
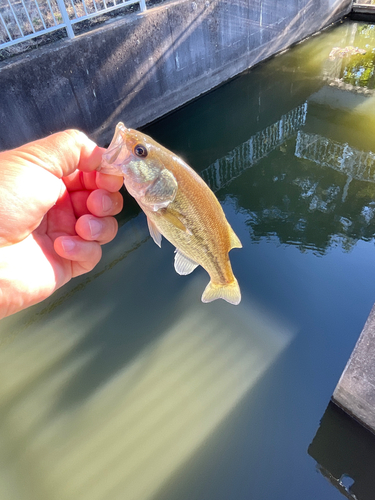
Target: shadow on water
(345, 453)
(118, 380)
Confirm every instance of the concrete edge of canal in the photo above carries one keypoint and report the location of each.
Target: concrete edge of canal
(355, 391)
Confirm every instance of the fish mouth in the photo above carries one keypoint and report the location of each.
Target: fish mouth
(117, 154)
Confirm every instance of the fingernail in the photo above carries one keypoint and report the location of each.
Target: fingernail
(95, 227)
(68, 244)
(106, 203)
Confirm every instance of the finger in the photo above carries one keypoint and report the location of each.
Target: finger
(62, 153)
(84, 255)
(102, 203)
(78, 181)
(109, 182)
(102, 229)
(61, 218)
(92, 180)
(79, 202)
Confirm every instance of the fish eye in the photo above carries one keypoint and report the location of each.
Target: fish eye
(140, 150)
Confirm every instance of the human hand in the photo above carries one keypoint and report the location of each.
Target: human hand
(55, 212)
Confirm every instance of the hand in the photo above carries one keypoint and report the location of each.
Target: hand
(55, 212)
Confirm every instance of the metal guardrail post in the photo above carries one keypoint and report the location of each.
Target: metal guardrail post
(66, 19)
(142, 5)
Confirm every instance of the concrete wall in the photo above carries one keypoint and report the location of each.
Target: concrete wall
(142, 66)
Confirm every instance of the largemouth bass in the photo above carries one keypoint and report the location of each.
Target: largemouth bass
(179, 205)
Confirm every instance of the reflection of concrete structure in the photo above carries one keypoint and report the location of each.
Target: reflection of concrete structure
(321, 150)
(227, 168)
(343, 96)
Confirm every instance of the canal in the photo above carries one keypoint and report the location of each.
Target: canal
(123, 385)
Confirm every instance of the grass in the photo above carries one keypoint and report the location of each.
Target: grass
(31, 14)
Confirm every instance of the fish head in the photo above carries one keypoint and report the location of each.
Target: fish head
(143, 164)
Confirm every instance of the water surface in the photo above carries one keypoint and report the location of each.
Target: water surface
(123, 385)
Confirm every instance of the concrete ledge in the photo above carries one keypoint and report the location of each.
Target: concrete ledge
(363, 12)
(355, 392)
(143, 66)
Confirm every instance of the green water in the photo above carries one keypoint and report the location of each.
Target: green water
(124, 385)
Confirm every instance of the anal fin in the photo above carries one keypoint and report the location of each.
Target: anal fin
(182, 264)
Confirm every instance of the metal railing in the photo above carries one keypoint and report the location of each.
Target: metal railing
(22, 20)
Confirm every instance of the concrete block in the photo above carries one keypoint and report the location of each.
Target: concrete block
(355, 392)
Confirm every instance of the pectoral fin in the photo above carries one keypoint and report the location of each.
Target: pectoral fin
(154, 232)
(182, 264)
(174, 219)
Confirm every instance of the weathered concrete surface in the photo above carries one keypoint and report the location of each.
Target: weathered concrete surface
(142, 66)
(355, 392)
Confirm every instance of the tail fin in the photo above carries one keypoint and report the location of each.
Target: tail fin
(229, 292)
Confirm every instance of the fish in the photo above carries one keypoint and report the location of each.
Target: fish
(178, 205)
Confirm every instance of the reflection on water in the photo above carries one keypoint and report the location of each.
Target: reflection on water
(124, 386)
(232, 165)
(296, 194)
(360, 71)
